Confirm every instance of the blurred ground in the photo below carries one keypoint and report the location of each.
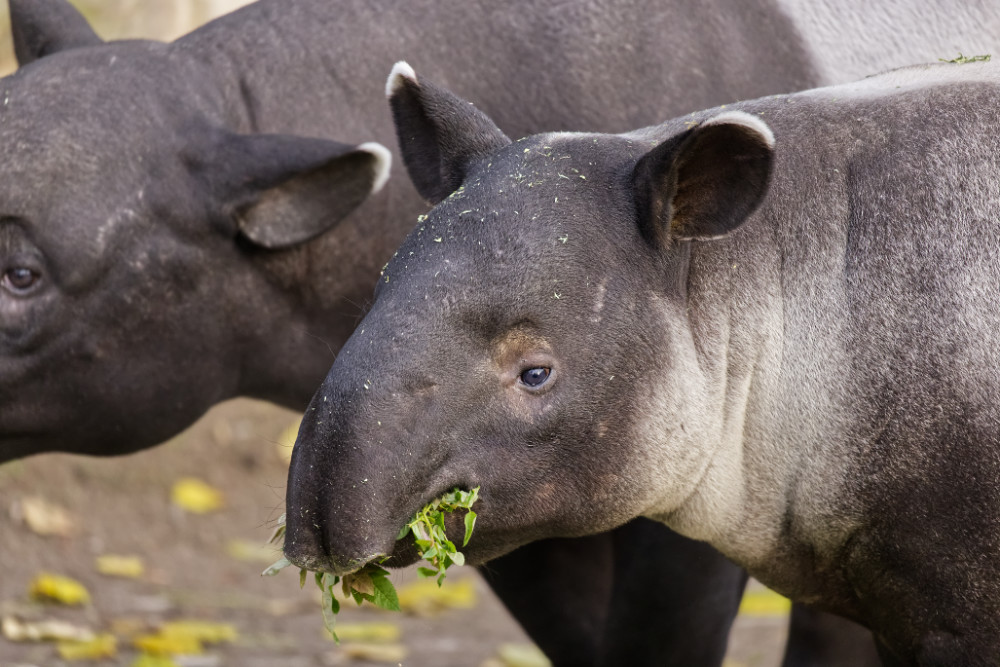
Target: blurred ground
(206, 567)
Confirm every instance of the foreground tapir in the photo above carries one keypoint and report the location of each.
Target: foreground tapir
(183, 223)
(773, 327)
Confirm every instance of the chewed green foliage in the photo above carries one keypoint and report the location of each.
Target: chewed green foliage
(961, 60)
(428, 531)
(371, 582)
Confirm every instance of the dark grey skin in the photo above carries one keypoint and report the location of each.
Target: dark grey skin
(772, 327)
(179, 223)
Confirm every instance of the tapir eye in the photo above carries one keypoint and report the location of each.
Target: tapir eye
(536, 377)
(19, 279)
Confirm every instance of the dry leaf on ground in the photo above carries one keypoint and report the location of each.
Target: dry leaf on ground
(130, 567)
(185, 637)
(204, 631)
(522, 655)
(100, 647)
(44, 517)
(56, 588)
(391, 653)
(160, 645)
(195, 496)
(149, 660)
(16, 630)
(424, 597)
(367, 632)
(764, 603)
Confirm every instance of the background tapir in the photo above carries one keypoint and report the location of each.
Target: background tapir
(772, 327)
(182, 223)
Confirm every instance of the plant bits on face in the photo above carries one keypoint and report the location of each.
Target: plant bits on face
(371, 582)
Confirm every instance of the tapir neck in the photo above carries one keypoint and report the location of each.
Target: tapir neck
(763, 411)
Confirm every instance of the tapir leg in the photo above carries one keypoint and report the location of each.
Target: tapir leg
(673, 600)
(639, 595)
(818, 639)
(643, 595)
(559, 590)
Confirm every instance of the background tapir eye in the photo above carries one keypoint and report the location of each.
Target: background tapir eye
(536, 377)
(19, 279)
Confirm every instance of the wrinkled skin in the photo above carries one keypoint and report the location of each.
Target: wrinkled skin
(782, 344)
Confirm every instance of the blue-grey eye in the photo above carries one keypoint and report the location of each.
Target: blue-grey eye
(19, 278)
(536, 377)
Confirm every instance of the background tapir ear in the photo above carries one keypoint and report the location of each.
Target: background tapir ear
(42, 27)
(439, 134)
(282, 190)
(705, 182)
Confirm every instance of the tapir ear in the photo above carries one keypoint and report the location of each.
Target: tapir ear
(282, 190)
(705, 182)
(439, 134)
(42, 27)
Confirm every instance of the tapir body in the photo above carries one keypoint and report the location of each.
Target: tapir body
(182, 223)
(772, 327)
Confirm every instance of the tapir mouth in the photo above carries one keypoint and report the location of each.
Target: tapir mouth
(329, 558)
(339, 568)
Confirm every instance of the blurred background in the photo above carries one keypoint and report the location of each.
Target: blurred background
(130, 19)
(154, 560)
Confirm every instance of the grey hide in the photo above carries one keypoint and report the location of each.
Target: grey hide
(771, 326)
(182, 223)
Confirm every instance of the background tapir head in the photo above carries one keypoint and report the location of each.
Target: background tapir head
(529, 337)
(139, 233)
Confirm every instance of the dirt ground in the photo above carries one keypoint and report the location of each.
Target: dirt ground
(206, 567)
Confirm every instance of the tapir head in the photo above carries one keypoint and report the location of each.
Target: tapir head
(529, 337)
(135, 227)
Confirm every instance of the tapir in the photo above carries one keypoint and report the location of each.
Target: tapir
(182, 223)
(772, 327)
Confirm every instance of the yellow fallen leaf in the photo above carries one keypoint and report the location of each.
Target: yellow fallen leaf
(423, 597)
(287, 440)
(149, 660)
(56, 588)
(102, 646)
(16, 630)
(375, 652)
(185, 637)
(203, 631)
(196, 496)
(522, 655)
(130, 567)
(162, 645)
(46, 518)
(253, 552)
(366, 632)
(764, 603)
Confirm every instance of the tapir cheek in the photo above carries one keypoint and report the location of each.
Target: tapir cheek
(546, 495)
(27, 323)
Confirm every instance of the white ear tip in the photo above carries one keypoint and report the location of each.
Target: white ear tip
(400, 71)
(746, 120)
(383, 161)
